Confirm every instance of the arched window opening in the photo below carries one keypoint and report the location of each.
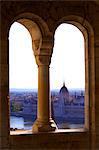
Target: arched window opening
(68, 77)
(23, 78)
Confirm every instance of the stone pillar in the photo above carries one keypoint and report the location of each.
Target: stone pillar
(44, 122)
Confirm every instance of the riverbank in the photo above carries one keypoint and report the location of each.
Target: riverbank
(27, 117)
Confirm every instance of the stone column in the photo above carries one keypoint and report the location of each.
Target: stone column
(44, 122)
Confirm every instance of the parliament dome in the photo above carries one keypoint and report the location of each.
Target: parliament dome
(64, 89)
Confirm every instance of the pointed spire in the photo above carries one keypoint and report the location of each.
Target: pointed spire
(63, 83)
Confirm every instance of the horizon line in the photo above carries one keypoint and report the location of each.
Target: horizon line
(37, 89)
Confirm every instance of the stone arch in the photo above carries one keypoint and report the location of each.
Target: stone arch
(38, 29)
(34, 32)
(38, 20)
(81, 23)
(42, 46)
(84, 26)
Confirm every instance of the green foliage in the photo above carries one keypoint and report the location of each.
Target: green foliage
(16, 106)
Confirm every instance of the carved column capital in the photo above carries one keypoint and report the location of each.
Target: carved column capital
(43, 53)
(43, 59)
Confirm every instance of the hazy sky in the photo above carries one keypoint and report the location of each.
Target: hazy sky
(67, 63)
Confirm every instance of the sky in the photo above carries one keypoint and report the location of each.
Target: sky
(67, 62)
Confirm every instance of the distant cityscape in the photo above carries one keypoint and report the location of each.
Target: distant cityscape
(67, 107)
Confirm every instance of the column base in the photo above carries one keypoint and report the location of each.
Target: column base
(40, 126)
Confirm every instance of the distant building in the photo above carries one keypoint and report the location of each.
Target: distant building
(64, 94)
(68, 108)
(59, 105)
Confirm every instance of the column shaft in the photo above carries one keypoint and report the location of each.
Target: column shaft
(44, 122)
(43, 93)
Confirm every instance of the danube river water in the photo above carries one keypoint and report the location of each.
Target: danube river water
(19, 123)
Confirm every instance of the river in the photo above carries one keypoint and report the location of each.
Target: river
(19, 123)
